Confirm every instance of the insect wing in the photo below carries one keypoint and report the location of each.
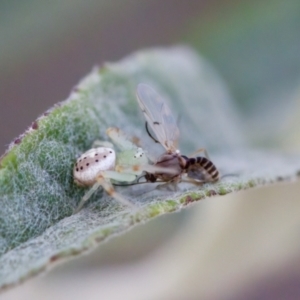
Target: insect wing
(159, 116)
(199, 173)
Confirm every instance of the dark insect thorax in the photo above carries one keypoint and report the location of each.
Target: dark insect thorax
(168, 161)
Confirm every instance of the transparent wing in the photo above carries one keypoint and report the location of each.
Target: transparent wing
(159, 116)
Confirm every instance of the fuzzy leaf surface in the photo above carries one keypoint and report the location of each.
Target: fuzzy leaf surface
(37, 191)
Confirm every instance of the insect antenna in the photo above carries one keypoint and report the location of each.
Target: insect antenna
(147, 129)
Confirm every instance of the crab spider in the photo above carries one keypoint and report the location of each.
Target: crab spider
(161, 120)
(101, 165)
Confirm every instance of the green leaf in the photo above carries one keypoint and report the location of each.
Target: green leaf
(37, 192)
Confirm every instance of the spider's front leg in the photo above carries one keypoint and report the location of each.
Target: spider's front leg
(87, 196)
(105, 181)
(99, 143)
(120, 139)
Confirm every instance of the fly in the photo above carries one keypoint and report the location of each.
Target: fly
(160, 119)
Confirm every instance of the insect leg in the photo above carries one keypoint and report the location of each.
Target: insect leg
(99, 143)
(171, 185)
(127, 177)
(150, 135)
(193, 181)
(199, 151)
(120, 139)
(108, 187)
(87, 196)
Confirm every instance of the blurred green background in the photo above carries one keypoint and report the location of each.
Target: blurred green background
(46, 47)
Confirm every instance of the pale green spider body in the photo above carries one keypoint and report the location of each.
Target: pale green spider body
(131, 158)
(101, 165)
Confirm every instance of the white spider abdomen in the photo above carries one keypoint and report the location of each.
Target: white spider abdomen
(91, 163)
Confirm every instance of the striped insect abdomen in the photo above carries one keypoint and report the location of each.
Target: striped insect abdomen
(202, 169)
